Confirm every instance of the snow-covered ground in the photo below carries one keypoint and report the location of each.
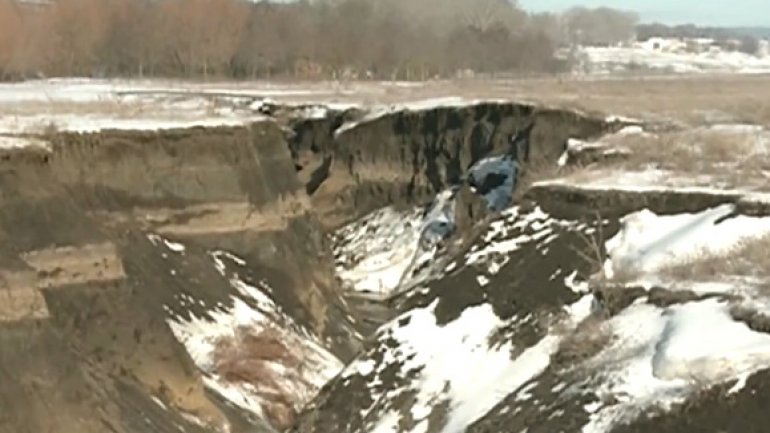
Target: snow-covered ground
(82, 105)
(644, 57)
(648, 242)
(454, 366)
(375, 252)
(507, 234)
(251, 352)
(659, 356)
(389, 249)
(88, 105)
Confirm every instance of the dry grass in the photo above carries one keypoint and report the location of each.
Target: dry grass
(748, 259)
(693, 100)
(250, 357)
(694, 150)
(697, 157)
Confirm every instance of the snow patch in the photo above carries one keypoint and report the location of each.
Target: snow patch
(254, 313)
(171, 245)
(471, 393)
(648, 242)
(373, 253)
(660, 356)
(671, 58)
(702, 342)
(388, 249)
(428, 355)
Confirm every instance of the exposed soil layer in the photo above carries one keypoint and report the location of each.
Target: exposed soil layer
(88, 340)
(409, 156)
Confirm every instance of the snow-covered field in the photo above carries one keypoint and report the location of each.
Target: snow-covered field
(647, 57)
(90, 105)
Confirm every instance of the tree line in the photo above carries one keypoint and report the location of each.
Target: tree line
(321, 39)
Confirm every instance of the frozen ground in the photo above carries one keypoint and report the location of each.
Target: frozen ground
(86, 105)
(648, 242)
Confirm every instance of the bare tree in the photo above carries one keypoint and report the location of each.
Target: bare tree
(10, 30)
(78, 29)
(396, 39)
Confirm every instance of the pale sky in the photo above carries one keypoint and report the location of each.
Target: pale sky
(703, 12)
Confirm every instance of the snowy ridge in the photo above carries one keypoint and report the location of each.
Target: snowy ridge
(427, 357)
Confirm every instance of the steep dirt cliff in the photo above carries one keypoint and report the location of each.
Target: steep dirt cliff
(407, 155)
(87, 294)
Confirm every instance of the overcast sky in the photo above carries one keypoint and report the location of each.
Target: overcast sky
(704, 12)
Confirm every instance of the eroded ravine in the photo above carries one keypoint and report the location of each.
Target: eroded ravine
(184, 280)
(109, 238)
